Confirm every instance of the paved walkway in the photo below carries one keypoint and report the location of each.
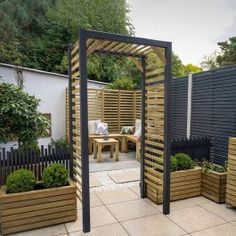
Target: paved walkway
(117, 210)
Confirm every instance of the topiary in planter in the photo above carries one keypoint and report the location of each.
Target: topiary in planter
(20, 181)
(55, 176)
(181, 161)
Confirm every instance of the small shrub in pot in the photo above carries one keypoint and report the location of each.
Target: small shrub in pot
(20, 181)
(181, 161)
(55, 175)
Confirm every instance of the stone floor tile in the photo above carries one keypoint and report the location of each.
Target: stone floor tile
(47, 231)
(221, 211)
(114, 196)
(124, 211)
(108, 230)
(157, 225)
(135, 189)
(176, 205)
(200, 200)
(99, 216)
(221, 230)
(125, 176)
(195, 218)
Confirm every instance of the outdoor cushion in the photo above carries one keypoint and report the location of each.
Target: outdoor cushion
(102, 128)
(137, 128)
(92, 125)
(127, 130)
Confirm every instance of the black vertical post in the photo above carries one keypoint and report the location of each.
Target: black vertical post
(167, 131)
(143, 188)
(70, 113)
(84, 131)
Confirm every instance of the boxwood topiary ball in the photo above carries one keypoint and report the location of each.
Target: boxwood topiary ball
(20, 181)
(184, 161)
(55, 175)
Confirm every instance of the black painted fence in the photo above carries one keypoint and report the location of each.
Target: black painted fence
(196, 148)
(213, 108)
(35, 161)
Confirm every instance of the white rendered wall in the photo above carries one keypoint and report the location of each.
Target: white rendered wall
(48, 87)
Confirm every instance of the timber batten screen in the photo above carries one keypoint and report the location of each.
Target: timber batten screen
(153, 60)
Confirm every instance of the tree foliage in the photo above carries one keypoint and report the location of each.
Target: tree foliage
(228, 56)
(190, 68)
(19, 117)
(225, 57)
(36, 34)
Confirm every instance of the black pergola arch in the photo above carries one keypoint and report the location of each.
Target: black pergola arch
(153, 59)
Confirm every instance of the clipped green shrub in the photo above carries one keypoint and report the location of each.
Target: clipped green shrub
(184, 161)
(173, 164)
(20, 181)
(181, 161)
(55, 175)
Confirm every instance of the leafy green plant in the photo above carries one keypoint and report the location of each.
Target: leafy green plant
(61, 143)
(20, 181)
(19, 117)
(55, 175)
(208, 167)
(181, 161)
(123, 83)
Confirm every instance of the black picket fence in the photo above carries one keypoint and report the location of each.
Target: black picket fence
(36, 161)
(198, 148)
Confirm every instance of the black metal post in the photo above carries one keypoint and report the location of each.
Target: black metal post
(70, 112)
(142, 184)
(84, 132)
(167, 131)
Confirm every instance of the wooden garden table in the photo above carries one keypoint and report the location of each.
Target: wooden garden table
(99, 144)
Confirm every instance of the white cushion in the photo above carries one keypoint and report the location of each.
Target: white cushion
(92, 124)
(102, 128)
(137, 128)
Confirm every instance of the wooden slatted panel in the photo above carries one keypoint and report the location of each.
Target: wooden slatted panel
(95, 104)
(154, 127)
(111, 112)
(231, 174)
(126, 108)
(137, 105)
(76, 118)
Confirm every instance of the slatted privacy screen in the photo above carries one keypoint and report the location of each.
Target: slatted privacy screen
(118, 108)
(213, 108)
(76, 144)
(154, 125)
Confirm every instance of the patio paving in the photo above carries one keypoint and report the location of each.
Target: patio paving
(117, 210)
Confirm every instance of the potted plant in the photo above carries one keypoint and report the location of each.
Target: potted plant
(26, 204)
(185, 180)
(214, 181)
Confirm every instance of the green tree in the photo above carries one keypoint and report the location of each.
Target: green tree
(192, 68)
(19, 118)
(209, 62)
(228, 49)
(226, 56)
(178, 69)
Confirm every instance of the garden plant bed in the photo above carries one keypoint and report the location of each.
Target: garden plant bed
(183, 184)
(214, 186)
(37, 208)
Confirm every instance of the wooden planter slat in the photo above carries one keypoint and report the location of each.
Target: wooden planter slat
(231, 176)
(38, 208)
(183, 184)
(214, 186)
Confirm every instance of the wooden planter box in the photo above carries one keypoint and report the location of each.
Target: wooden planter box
(183, 184)
(36, 209)
(214, 186)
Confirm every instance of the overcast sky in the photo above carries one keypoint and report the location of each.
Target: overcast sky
(193, 26)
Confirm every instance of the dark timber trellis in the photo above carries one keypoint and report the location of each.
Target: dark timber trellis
(153, 59)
